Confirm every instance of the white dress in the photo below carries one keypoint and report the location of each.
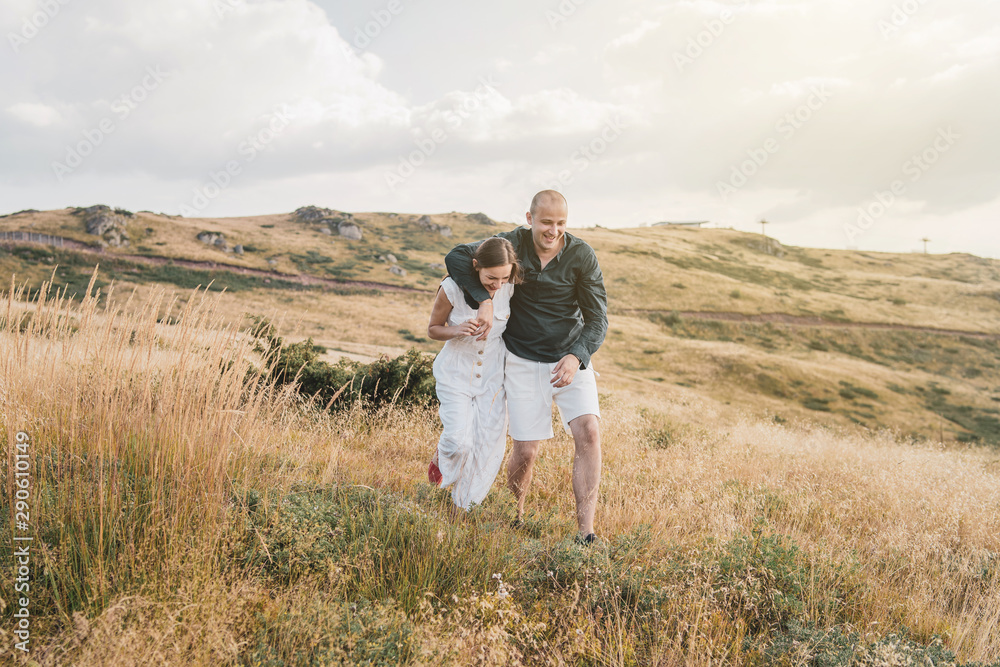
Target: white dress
(469, 376)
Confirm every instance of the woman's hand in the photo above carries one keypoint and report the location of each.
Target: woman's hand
(467, 328)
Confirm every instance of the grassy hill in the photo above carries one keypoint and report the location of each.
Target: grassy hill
(904, 341)
(185, 509)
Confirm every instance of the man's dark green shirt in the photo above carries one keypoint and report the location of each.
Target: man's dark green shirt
(559, 310)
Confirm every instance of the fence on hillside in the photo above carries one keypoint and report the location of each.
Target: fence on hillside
(33, 237)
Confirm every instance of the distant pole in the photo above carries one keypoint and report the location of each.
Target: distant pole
(762, 223)
(926, 241)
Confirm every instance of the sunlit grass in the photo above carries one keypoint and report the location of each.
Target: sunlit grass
(187, 511)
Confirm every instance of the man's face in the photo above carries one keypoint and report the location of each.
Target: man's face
(548, 225)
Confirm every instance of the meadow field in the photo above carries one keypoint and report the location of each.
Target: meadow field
(792, 492)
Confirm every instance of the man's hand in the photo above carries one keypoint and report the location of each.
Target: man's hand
(484, 318)
(565, 371)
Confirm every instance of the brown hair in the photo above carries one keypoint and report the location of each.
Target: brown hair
(497, 251)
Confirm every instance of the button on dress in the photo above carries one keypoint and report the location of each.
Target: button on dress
(469, 376)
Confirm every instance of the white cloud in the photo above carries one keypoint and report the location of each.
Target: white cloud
(33, 113)
(552, 53)
(355, 110)
(633, 36)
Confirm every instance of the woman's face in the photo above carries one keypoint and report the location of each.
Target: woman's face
(494, 277)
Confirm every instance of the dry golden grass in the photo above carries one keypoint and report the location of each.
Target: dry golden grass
(659, 269)
(145, 435)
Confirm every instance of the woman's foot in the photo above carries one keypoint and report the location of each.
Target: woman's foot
(433, 472)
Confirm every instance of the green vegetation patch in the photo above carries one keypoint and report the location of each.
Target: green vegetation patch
(978, 424)
(404, 380)
(75, 270)
(731, 267)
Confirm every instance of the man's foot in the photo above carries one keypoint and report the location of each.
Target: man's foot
(517, 522)
(586, 540)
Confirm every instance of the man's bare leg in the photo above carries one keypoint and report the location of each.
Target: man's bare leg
(519, 469)
(586, 469)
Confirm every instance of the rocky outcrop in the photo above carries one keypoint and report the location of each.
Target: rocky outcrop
(110, 225)
(480, 219)
(216, 239)
(397, 270)
(767, 245)
(329, 221)
(425, 222)
(349, 231)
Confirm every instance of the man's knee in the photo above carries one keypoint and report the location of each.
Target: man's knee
(586, 431)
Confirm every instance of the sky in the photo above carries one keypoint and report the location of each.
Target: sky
(867, 124)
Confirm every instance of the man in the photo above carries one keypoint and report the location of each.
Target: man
(558, 320)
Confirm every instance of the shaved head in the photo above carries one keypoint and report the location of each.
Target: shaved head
(547, 197)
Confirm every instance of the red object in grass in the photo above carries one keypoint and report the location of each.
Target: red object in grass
(434, 473)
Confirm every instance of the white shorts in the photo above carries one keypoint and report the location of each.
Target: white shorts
(530, 395)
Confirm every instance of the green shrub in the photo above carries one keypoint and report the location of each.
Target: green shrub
(808, 644)
(671, 319)
(334, 632)
(410, 336)
(761, 579)
(661, 438)
(816, 403)
(406, 380)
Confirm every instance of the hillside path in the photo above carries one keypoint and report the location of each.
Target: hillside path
(305, 279)
(806, 321)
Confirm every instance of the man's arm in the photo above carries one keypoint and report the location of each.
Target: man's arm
(459, 264)
(593, 301)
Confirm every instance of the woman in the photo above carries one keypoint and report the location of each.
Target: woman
(469, 375)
